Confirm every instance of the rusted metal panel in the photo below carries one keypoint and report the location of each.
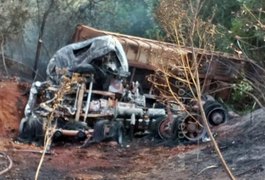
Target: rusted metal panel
(147, 54)
(143, 53)
(140, 52)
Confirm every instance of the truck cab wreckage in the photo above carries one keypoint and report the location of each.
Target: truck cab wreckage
(96, 91)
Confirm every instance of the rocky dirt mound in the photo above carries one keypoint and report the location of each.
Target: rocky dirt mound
(12, 104)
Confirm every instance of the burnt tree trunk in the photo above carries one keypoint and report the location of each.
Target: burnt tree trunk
(39, 44)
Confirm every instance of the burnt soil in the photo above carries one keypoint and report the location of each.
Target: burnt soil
(242, 142)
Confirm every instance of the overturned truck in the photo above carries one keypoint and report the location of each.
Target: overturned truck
(97, 89)
(217, 69)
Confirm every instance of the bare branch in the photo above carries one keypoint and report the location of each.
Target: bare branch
(3, 54)
(189, 64)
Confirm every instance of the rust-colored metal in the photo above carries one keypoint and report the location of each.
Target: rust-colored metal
(66, 132)
(147, 54)
(103, 93)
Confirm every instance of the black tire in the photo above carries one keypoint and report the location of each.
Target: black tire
(57, 135)
(164, 129)
(155, 125)
(81, 135)
(212, 106)
(31, 130)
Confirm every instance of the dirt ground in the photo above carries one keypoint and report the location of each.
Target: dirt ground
(242, 141)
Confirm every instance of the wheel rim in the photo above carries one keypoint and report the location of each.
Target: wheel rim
(216, 116)
(165, 129)
(192, 128)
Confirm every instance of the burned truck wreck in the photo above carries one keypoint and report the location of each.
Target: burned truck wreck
(88, 96)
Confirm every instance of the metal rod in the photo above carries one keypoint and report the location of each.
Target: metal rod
(76, 97)
(89, 96)
(80, 101)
